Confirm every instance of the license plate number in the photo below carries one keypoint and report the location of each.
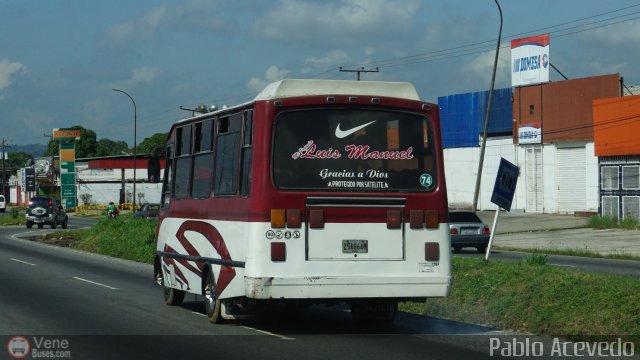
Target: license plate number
(468, 231)
(355, 246)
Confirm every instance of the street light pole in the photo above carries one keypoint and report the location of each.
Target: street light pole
(135, 150)
(486, 119)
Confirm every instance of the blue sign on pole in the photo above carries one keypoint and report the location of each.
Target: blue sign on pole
(505, 185)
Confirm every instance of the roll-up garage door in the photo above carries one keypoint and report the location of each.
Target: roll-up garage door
(533, 169)
(571, 182)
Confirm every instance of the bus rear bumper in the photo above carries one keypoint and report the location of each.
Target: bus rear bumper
(318, 287)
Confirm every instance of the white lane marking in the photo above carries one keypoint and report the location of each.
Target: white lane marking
(23, 262)
(95, 283)
(269, 333)
(197, 313)
(561, 265)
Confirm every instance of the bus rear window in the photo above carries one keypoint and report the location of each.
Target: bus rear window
(353, 150)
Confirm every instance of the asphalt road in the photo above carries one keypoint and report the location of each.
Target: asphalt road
(107, 308)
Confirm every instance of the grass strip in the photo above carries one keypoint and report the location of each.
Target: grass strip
(614, 254)
(125, 238)
(538, 299)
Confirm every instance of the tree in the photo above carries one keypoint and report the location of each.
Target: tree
(155, 144)
(19, 160)
(108, 147)
(86, 146)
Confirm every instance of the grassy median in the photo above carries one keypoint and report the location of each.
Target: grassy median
(125, 238)
(539, 299)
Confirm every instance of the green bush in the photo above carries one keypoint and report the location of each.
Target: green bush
(603, 222)
(607, 222)
(535, 259)
(124, 237)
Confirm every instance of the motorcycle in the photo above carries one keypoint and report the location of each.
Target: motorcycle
(113, 214)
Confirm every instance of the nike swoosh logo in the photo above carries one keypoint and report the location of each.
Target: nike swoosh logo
(344, 133)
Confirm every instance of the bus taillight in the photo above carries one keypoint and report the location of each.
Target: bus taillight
(278, 251)
(394, 219)
(277, 218)
(316, 219)
(431, 251)
(293, 218)
(416, 219)
(432, 219)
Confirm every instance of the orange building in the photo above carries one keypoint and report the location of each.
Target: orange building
(616, 130)
(616, 126)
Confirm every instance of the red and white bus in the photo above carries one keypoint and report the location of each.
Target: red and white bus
(316, 191)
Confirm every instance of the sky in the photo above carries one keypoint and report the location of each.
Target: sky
(60, 60)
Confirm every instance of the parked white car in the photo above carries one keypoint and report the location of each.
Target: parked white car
(3, 204)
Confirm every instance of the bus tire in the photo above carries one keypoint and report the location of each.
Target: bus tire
(172, 297)
(211, 302)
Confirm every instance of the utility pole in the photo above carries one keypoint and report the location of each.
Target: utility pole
(4, 190)
(4, 154)
(53, 168)
(488, 115)
(135, 145)
(361, 70)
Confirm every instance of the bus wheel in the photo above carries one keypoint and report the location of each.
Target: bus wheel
(172, 296)
(211, 301)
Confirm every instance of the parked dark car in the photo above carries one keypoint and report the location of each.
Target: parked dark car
(46, 211)
(467, 230)
(147, 211)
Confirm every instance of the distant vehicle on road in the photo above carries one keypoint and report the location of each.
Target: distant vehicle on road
(3, 204)
(147, 211)
(467, 230)
(43, 211)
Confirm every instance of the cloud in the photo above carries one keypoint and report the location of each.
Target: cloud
(343, 20)
(612, 36)
(272, 74)
(8, 71)
(143, 27)
(145, 74)
(193, 14)
(332, 57)
(483, 63)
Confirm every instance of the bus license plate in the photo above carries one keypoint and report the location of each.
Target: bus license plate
(355, 246)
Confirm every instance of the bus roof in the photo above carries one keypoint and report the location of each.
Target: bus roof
(308, 87)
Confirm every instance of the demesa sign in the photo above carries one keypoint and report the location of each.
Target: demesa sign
(530, 60)
(66, 134)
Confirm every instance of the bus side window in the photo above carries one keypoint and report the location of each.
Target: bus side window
(182, 170)
(167, 183)
(227, 154)
(202, 173)
(246, 153)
